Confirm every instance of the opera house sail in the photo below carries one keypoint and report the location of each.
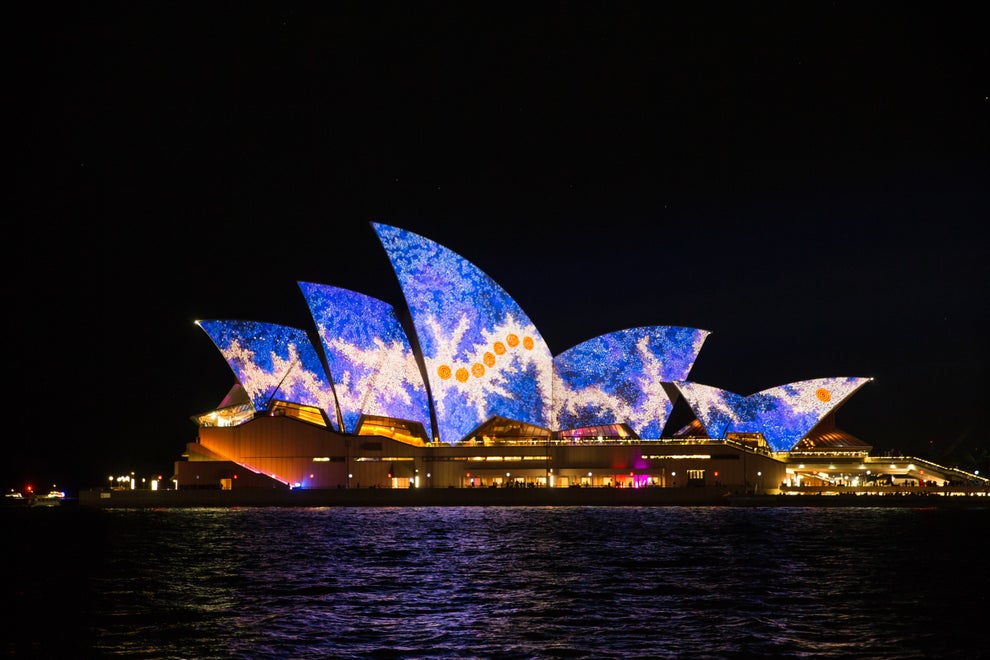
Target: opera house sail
(783, 415)
(482, 355)
(272, 362)
(373, 367)
(618, 378)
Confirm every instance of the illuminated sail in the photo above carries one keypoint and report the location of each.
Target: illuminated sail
(617, 378)
(372, 366)
(483, 355)
(273, 362)
(784, 414)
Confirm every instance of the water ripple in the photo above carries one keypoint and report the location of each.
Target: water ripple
(541, 582)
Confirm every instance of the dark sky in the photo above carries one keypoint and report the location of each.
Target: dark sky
(808, 181)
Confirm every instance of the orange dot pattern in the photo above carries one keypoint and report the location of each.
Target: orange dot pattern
(478, 369)
(823, 394)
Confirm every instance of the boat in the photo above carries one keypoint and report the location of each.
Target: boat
(53, 498)
(14, 498)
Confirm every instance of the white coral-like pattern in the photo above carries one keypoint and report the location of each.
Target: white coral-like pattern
(783, 414)
(479, 356)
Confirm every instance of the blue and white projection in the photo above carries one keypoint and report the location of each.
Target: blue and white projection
(783, 414)
(483, 355)
(273, 362)
(618, 378)
(480, 356)
(372, 366)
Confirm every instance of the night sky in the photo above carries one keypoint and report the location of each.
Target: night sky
(808, 181)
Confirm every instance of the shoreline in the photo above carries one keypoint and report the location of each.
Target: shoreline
(429, 497)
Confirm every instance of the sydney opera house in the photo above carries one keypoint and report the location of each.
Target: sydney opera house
(457, 389)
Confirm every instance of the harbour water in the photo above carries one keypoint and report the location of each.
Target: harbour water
(496, 582)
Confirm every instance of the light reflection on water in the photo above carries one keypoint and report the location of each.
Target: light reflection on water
(492, 582)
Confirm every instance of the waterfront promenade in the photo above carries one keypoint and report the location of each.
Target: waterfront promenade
(387, 497)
